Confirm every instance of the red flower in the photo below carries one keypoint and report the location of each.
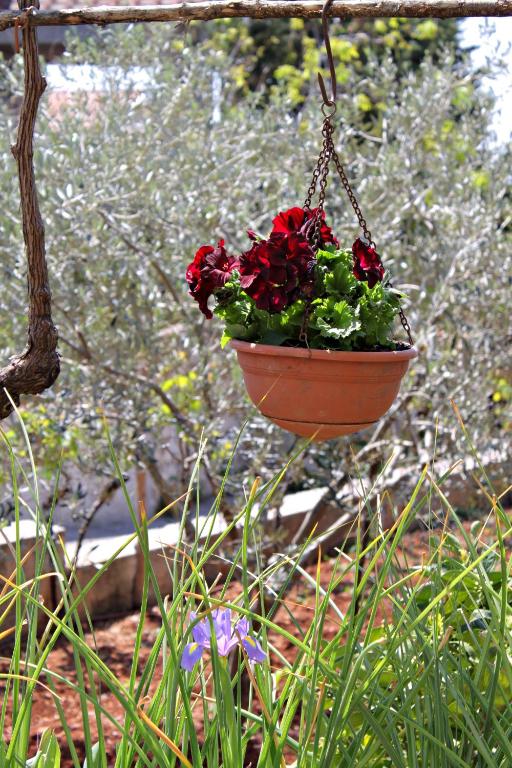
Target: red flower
(301, 221)
(275, 272)
(218, 266)
(210, 269)
(367, 264)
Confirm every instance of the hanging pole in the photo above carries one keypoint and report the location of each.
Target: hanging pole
(35, 369)
(265, 9)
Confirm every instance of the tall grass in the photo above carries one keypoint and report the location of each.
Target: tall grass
(412, 669)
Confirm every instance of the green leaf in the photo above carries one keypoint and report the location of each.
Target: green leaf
(336, 272)
(364, 103)
(426, 30)
(274, 337)
(48, 754)
(335, 319)
(291, 316)
(225, 338)
(329, 253)
(377, 310)
(237, 331)
(340, 281)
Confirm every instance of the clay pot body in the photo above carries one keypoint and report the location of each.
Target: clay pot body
(321, 394)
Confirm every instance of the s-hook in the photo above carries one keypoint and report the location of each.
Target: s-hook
(328, 102)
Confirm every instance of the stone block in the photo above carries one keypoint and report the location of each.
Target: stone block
(114, 592)
(306, 511)
(31, 543)
(162, 543)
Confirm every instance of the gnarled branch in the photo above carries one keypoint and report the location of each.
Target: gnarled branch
(38, 366)
(267, 9)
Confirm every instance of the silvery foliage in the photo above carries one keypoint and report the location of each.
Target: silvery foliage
(133, 180)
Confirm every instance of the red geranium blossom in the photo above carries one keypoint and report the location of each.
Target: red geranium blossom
(218, 266)
(210, 269)
(275, 272)
(301, 221)
(367, 264)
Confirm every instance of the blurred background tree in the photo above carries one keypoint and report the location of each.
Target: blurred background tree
(192, 137)
(291, 52)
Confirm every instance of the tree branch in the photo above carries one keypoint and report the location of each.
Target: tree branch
(267, 9)
(38, 366)
(87, 355)
(104, 496)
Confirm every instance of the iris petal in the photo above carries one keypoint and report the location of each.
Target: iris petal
(242, 627)
(201, 632)
(223, 631)
(253, 649)
(191, 655)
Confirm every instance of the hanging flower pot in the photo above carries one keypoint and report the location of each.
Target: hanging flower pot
(311, 321)
(319, 393)
(312, 327)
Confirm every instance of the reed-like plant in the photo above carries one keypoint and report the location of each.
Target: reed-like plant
(414, 672)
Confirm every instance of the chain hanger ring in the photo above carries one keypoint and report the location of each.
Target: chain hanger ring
(325, 107)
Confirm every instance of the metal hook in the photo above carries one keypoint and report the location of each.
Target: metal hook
(329, 102)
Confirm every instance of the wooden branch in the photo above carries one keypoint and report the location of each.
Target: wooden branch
(38, 366)
(266, 9)
(84, 352)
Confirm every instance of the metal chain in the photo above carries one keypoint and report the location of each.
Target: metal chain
(352, 197)
(365, 229)
(321, 171)
(314, 180)
(327, 131)
(405, 325)
(320, 175)
(303, 335)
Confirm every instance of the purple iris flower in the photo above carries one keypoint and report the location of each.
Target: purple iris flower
(227, 637)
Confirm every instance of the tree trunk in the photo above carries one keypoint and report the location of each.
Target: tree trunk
(38, 366)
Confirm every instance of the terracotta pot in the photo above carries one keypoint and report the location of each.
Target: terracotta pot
(319, 393)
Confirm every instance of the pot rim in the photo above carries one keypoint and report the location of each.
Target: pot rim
(271, 350)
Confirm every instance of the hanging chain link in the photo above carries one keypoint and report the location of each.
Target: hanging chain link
(327, 131)
(323, 160)
(320, 175)
(405, 325)
(351, 196)
(314, 180)
(303, 335)
(365, 229)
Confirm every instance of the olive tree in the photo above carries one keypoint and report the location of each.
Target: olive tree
(135, 177)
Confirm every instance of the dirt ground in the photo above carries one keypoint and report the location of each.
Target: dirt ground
(114, 641)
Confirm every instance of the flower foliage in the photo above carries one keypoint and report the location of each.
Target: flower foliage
(227, 638)
(262, 295)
